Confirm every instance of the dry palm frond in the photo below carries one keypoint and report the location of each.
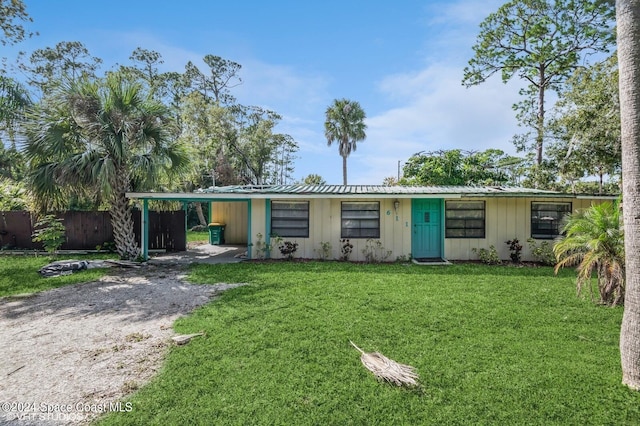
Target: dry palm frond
(387, 369)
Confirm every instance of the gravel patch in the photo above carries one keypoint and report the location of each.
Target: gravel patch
(69, 354)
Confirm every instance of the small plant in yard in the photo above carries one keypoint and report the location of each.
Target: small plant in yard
(346, 249)
(262, 247)
(516, 250)
(288, 249)
(594, 242)
(543, 252)
(403, 258)
(488, 256)
(324, 251)
(50, 232)
(374, 252)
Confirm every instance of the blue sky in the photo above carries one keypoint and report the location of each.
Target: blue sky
(401, 60)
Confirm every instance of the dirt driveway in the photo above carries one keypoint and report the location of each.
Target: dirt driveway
(69, 354)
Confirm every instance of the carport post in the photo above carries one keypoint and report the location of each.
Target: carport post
(145, 229)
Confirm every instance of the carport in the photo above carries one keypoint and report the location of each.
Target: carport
(184, 198)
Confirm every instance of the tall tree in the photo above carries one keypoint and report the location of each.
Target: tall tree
(224, 75)
(628, 32)
(344, 125)
(257, 146)
(282, 166)
(586, 125)
(205, 129)
(107, 135)
(11, 13)
(68, 61)
(145, 68)
(540, 41)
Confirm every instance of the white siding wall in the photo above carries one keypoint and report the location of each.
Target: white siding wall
(506, 218)
(325, 226)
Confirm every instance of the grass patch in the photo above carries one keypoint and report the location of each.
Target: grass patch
(19, 274)
(492, 345)
(193, 236)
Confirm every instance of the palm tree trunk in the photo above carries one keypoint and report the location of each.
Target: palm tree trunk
(344, 170)
(628, 21)
(122, 220)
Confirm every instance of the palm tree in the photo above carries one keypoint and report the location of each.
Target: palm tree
(594, 241)
(104, 136)
(345, 125)
(628, 33)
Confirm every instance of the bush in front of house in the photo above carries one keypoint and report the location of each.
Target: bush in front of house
(516, 250)
(489, 256)
(288, 249)
(542, 252)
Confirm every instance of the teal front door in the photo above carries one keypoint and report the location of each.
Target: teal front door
(426, 241)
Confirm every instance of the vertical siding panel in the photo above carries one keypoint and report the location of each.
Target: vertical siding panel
(401, 230)
(501, 229)
(492, 222)
(326, 226)
(524, 230)
(333, 233)
(387, 225)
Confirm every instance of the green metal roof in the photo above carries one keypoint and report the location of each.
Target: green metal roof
(373, 190)
(357, 191)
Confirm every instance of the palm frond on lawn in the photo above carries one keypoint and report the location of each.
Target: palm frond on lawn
(387, 369)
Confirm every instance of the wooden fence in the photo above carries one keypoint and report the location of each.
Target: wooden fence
(85, 230)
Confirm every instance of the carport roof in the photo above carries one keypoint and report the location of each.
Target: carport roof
(241, 192)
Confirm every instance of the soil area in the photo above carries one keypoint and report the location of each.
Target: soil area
(69, 354)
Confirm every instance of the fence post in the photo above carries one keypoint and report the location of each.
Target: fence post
(145, 229)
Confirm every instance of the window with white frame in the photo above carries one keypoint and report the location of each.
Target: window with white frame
(465, 219)
(360, 219)
(546, 219)
(290, 218)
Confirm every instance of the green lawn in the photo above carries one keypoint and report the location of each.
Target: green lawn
(492, 345)
(19, 274)
(193, 236)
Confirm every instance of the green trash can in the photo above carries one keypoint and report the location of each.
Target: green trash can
(216, 233)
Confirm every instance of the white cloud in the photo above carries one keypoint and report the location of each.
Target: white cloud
(437, 113)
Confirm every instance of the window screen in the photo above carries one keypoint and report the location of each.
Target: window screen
(546, 219)
(360, 220)
(464, 219)
(290, 218)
